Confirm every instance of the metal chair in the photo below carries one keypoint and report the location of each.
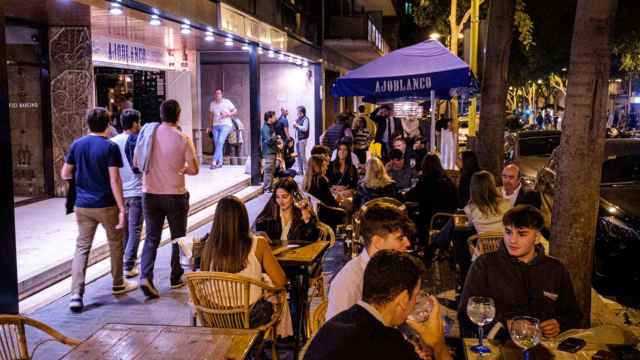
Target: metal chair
(484, 243)
(316, 282)
(441, 219)
(221, 300)
(13, 341)
(314, 324)
(332, 216)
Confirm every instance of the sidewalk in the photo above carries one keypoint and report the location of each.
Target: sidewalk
(46, 237)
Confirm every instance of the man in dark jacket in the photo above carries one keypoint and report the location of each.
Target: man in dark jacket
(386, 127)
(522, 280)
(514, 191)
(368, 330)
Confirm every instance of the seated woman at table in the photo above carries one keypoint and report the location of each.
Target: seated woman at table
(486, 205)
(316, 183)
(376, 183)
(232, 248)
(341, 172)
(288, 215)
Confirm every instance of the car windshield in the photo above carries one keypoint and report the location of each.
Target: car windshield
(621, 169)
(538, 146)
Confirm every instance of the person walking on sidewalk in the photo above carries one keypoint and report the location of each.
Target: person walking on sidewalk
(301, 125)
(93, 161)
(164, 154)
(221, 111)
(131, 188)
(268, 146)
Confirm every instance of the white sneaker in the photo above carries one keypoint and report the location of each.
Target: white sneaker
(131, 273)
(124, 288)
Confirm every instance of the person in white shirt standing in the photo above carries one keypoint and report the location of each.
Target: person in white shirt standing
(221, 111)
(131, 188)
(383, 227)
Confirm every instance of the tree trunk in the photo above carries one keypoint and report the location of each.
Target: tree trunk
(578, 184)
(489, 145)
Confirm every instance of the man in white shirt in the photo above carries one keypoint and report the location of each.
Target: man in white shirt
(221, 111)
(382, 227)
(513, 191)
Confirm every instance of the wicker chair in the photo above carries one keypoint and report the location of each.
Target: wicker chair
(484, 243)
(316, 282)
(221, 300)
(314, 324)
(13, 341)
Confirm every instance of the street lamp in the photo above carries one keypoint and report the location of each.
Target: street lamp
(434, 36)
(539, 81)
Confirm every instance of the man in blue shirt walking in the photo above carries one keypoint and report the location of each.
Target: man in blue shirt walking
(94, 162)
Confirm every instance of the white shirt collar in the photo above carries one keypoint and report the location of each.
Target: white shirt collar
(364, 258)
(376, 314)
(511, 198)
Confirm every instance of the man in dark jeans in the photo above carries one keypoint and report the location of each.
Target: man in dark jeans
(164, 161)
(131, 188)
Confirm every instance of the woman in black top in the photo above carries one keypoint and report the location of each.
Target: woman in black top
(341, 171)
(315, 181)
(434, 192)
(470, 166)
(376, 184)
(287, 209)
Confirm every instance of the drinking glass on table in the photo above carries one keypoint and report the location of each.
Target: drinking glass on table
(481, 311)
(525, 332)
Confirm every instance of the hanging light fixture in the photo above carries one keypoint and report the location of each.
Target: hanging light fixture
(115, 9)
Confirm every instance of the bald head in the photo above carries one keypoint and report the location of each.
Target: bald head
(510, 178)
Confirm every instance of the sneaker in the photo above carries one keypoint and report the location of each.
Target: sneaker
(124, 288)
(75, 305)
(133, 272)
(176, 284)
(148, 289)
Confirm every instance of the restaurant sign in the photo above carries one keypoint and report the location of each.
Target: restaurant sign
(124, 52)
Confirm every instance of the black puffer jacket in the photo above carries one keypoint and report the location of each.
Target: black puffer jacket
(542, 289)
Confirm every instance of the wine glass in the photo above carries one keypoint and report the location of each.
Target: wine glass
(525, 332)
(481, 311)
(422, 308)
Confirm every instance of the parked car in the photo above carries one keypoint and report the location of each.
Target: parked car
(531, 149)
(617, 246)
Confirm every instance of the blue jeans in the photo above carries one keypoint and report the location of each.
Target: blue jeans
(220, 133)
(175, 209)
(132, 230)
(301, 148)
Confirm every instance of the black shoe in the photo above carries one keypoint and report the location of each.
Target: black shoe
(148, 289)
(176, 284)
(76, 305)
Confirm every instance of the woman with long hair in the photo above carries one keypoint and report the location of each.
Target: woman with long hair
(434, 192)
(469, 167)
(376, 183)
(232, 248)
(287, 215)
(341, 171)
(486, 205)
(316, 182)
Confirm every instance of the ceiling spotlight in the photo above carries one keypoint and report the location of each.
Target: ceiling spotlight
(245, 47)
(618, 80)
(281, 57)
(185, 29)
(116, 9)
(298, 62)
(460, 36)
(539, 81)
(208, 36)
(228, 42)
(564, 69)
(291, 59)
(271, 54)
(305, 63)
(155, 20)
(260, 51)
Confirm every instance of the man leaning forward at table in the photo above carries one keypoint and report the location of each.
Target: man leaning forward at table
(368, 329)
(383, 227)
(522, 280)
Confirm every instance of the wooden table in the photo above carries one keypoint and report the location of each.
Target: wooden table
(119, 341)
(299, 263)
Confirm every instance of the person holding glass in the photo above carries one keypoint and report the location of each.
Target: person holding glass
(521, 280)
(288, 215)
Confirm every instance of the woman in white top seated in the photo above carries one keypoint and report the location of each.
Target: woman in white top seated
(486, 205)
(232, 248)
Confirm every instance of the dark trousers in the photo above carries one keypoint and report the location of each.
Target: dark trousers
(175, 209)
(362, 155)
(132, 230)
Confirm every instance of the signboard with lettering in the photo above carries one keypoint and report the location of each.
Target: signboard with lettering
(235, 21)
(124, 52)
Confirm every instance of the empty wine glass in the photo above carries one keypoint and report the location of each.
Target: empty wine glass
(481, 311)
(525, 332)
